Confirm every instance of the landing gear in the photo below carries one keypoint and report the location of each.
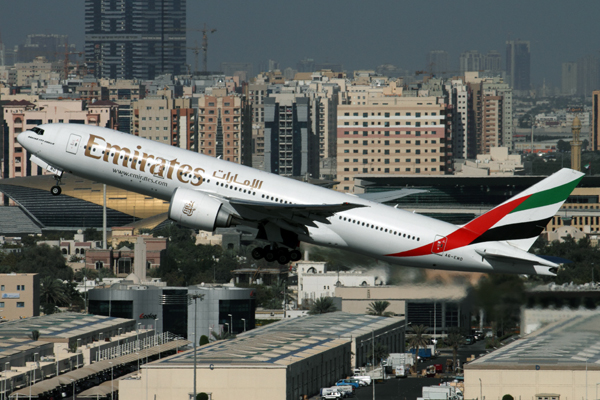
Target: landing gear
(56, 190)
(281, 254)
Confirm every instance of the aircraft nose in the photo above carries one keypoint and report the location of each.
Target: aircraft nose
(22, 137)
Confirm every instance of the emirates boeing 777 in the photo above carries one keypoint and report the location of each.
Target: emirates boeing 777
(206, 193)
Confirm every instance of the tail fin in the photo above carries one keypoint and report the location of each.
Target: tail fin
(522, 218)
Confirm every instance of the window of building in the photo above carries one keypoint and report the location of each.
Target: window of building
(2, 288)
(20, 304)
(1, 304)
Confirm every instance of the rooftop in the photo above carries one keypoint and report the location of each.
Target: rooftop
(571, 343)
(60, 325)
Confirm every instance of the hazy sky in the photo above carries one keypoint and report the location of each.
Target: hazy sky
(358, 34)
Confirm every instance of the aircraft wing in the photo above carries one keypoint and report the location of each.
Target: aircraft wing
(294, 214)
(526, 258)
(382, 197)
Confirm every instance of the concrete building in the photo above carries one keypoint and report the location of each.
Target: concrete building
(220, 126)
(438, 307)
(463, 136)
(153, 118)
(19, 296)
(123, 92)
(471, 61)
(38, 70)
(569, 79)
(438, 62)
(588, 75)
(576, 145)
(315, 281)
(135, 39)
(518, 65)
(284, 360)
(493, 62)
(595, 121)
(257, 92)
(391, 135)
(291, 143)
(560, 361)
(497, 162)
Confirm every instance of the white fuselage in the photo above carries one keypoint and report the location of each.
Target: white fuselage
(376, 230)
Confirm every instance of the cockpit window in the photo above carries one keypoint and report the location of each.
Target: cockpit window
(37, 130)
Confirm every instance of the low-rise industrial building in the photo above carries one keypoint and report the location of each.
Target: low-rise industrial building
(284, 360)
(560, 362)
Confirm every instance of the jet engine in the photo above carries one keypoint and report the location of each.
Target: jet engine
(198, 210)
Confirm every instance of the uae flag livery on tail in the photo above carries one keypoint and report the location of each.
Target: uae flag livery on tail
(518, 221)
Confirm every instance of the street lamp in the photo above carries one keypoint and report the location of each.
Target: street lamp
(138, 359)
(597, 390)
(195, 297)
(137, 344)
(112, 392)
(480, 390)
(244, 319)
(231, 319)
(73, 380)
(228, 329)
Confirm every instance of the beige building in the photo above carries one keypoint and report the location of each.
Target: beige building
(38, 70)
(390, 135)
(152, 117)
(19, 296)
(558, 362)
(220, 128)
(256, 95)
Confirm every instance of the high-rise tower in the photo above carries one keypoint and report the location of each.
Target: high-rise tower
(576, 145)
(518, 64)
(140, 39)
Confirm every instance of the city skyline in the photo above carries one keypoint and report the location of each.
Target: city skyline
(339, 32)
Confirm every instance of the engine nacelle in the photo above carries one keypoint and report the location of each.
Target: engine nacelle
(198, 210)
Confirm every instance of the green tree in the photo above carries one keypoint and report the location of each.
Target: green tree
(35, 335)
(501, 297)
(202, 396)
(381, 352)
(221, 336)
(507, 397)
(417, 340)
(454, 340)
(204, 340)
(53, 292)
(322, 305)
(563, 146)
(378, 308)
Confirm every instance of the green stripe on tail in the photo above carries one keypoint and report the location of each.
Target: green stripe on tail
(547, 197)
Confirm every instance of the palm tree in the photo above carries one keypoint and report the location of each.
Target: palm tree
(53, 291)
(322, 305)
(378, 308)
(221, 336)
(455, 340)
(418, 339)
(381, 352)
(35, 335)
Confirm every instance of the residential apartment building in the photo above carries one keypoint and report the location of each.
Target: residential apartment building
(22, 115)
(438, 62)
(257, 92)
(291, 142)
(392, 135)
(139, 39)
(588, 75)
(463, 138)
(38, 70)
(471, 61)
(221, 129)
(91, 91)
(491, 109)
(19, 296)
(123, 92)
(152, 117)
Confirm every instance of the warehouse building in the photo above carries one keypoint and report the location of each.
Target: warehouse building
(284, 360)
(558, 362)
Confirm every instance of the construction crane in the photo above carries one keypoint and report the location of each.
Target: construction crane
(205, 31)
(196, 51)
(68, 53)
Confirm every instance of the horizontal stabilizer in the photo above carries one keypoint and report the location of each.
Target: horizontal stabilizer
(556, 260)
(521, 258)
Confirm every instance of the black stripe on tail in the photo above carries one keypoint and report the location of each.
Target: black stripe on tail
(523, 230)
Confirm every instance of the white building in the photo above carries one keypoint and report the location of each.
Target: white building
(314, 281)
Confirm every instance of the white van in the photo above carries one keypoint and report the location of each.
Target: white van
(345, 390)
(364, 378)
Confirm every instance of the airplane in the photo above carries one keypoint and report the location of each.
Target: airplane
(206, 192)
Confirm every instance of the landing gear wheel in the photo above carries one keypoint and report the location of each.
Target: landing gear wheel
(258, 253)
(270, 254)
(55, 190)
(283, 256)
(295, 255)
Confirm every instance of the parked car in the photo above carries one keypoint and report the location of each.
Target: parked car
(364, 378)
(469, 339)
(344, 382)
(330, 393)
(345, 390)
